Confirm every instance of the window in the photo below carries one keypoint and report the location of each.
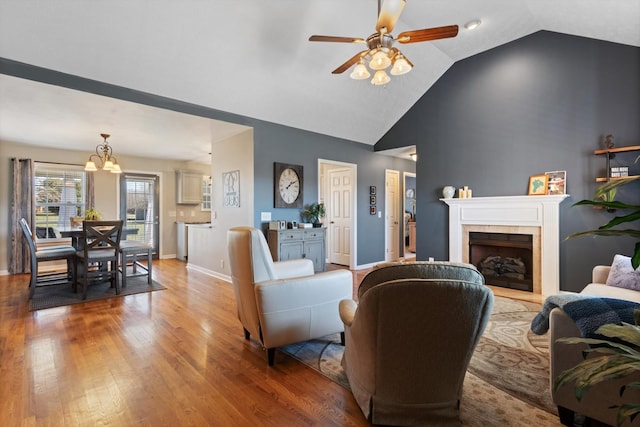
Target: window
(59, 192)
(206, 194)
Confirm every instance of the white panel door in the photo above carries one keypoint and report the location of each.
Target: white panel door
(340, 215)
(392, 224)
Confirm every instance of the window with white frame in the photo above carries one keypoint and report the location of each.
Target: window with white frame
(206, 194)
(59, 193)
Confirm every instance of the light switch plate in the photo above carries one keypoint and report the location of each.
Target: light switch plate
(265, 216)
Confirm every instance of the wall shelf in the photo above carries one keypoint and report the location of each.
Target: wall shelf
(609, 152)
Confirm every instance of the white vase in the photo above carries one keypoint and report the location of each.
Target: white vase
(448, 191)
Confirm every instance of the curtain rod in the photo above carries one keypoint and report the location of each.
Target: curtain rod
(56, 163)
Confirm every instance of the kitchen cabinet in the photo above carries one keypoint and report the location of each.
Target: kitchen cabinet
(299, 243)
(189, 186)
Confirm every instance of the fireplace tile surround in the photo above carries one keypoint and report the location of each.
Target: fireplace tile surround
(538, 216)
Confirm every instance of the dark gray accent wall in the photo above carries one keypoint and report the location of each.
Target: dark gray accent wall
(272, 143)
(538, 104)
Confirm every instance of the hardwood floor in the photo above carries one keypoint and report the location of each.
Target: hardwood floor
(171, 357)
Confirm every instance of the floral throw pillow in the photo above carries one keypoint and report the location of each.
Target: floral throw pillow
(622, 275)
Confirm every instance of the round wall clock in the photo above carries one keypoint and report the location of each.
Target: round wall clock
(287, 180)
(411, 193)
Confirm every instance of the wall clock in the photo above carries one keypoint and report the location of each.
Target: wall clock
(288, 188)
(410, 193)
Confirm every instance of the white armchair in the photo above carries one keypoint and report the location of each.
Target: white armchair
(281, 303)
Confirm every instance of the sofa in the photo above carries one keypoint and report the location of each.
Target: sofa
(598, 401)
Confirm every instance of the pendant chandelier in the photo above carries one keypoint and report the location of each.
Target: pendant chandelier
(104, 155)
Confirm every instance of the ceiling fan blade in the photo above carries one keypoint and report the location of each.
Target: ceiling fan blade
(316, 38)
(427, 34)
(344, 67)
(388, 15)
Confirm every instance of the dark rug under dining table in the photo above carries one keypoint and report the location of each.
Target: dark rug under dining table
(63, 294)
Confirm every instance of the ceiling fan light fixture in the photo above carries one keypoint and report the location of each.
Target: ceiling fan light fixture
(379, 61)
(380, 78)
(400, 66)
(360, 72)
(474, 23)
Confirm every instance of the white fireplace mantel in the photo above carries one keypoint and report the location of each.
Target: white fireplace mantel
(539, 212)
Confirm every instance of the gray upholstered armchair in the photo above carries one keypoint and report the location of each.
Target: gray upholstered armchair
(410, 338)
(281, 303)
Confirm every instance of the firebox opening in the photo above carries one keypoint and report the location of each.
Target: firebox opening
(505, 259)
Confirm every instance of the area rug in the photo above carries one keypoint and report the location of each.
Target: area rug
(59, 295)
(507, 383)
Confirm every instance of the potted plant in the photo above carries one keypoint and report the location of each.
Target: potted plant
(313, 213)
(620, 347)
(620, 357)
(92, 214)
(603, 200)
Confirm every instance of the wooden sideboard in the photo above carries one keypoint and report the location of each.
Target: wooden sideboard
(299, 243)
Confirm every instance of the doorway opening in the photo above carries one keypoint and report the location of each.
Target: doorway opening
(409, 215)
(337, 189)
(140, 208)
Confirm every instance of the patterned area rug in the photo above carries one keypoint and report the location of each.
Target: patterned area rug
(59, 295)
(507, 383)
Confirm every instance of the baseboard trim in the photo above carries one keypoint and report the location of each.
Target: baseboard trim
(208, 272)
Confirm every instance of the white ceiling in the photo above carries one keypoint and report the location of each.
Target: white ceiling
(248, 57)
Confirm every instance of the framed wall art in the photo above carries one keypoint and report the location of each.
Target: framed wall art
(372, 210)
(538, 185)
(231, 189)
(556, 182)
(372, 190)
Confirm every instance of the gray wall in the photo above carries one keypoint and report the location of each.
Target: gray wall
(538, 104)
(276, 143)
(272, 143)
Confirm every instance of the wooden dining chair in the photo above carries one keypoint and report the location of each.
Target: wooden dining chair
(130, 252)
(52, 253)
(98, 258)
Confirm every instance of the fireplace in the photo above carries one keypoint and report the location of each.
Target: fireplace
(536, 216)
(505, 259)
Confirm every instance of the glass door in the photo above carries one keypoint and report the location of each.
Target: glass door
(140, 208)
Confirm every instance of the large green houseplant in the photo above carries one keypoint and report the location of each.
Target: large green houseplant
(620, 349)
(631, 215)
(619, 357)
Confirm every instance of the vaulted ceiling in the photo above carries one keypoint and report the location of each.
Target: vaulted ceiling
(253, 58)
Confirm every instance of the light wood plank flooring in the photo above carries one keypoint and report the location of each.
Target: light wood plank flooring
(172, 357)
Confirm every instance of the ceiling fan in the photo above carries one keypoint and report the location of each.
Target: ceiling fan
(381, 53)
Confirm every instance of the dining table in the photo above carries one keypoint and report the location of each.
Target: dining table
(75, 233)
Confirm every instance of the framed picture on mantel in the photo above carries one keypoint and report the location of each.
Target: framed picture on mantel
(538, 185)
(556, 182)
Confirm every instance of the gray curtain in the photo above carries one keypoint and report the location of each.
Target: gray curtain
(89, 198)
(22, 206)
